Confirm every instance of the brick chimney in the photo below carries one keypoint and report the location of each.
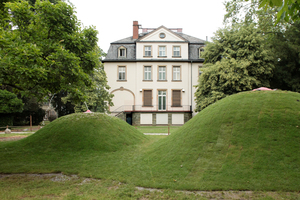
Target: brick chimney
(135, 30)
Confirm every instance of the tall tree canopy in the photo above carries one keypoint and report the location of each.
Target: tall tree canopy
(235, 61)
(43, 50)
(288, 9)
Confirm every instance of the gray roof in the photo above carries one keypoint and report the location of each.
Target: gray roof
(113, 51)
(130, 44)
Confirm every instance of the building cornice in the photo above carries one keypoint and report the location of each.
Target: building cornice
(155, 60)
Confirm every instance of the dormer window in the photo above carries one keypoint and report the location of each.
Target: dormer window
(122, 52)
(201, 50)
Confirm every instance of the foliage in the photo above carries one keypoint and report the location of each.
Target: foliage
(281, 38)
(238, 143)
(46, 51)
(9, 102)
(61, 107)
(286, 49)
(6, 120)
(288, 9)
(236, 61)
(98, 98)
(31, 107)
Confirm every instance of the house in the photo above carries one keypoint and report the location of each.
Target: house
(152, 75)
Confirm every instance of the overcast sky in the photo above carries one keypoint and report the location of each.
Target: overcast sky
(113, 18)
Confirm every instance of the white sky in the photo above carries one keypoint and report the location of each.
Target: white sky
(113, 18)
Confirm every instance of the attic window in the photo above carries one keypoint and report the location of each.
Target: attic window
(201, 50)
(162, 35)
(122, 52)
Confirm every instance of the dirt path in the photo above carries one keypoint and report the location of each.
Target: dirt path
(16, 137)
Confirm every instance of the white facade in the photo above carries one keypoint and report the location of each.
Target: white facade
(153, 76)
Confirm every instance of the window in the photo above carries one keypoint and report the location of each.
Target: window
(161, 73)
(161, 51)
(162, 99)
(147, 98)
(176, 98)
(122, 73)
(201, 50)
(122, 52)
(148, 51)
(176, 51)
(147, 73)
(162, 35)
(176, 73)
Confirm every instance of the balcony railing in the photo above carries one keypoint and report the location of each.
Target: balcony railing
(154, 108)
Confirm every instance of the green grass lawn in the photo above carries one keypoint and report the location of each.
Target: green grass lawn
(74, 187)
(248, 141)
(157, 129)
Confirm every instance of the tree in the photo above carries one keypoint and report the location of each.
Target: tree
(235, 61)
(9, 104)
(288, 9)
(286, 50)
(282, 38)
(31, 108)
(45, 50)
(98, 99)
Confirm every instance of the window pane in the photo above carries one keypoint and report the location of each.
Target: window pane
(176, 73)
(147, 73)
(162, 51)
(121, 73)
(162, 73)
(147, 51)
(176, 51)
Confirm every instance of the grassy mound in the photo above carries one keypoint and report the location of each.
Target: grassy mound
(83, 132)
(247, 141)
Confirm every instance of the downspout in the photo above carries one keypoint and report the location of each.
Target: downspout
(191, 86)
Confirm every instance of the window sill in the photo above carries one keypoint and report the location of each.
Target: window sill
(147, 106)
(147, 56)
(177, 106)
(162, 80)
(148, 80)
(161, 56)
(121, 80)
(176, 80)
(176, 56)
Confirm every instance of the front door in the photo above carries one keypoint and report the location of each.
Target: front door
(162, 98)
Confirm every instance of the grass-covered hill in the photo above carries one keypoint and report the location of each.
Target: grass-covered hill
(84, 132)
(247, 141)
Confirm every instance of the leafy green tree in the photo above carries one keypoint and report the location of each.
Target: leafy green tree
(235, 61)
(98, 99)
(46, 51)
(9, 104)
(281, 38)
(31, 108)
(286, 50)
(61, 107)
(288, 9)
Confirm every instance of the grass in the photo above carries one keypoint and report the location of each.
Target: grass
(74, 187)
(157, 129)
(247, 141)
